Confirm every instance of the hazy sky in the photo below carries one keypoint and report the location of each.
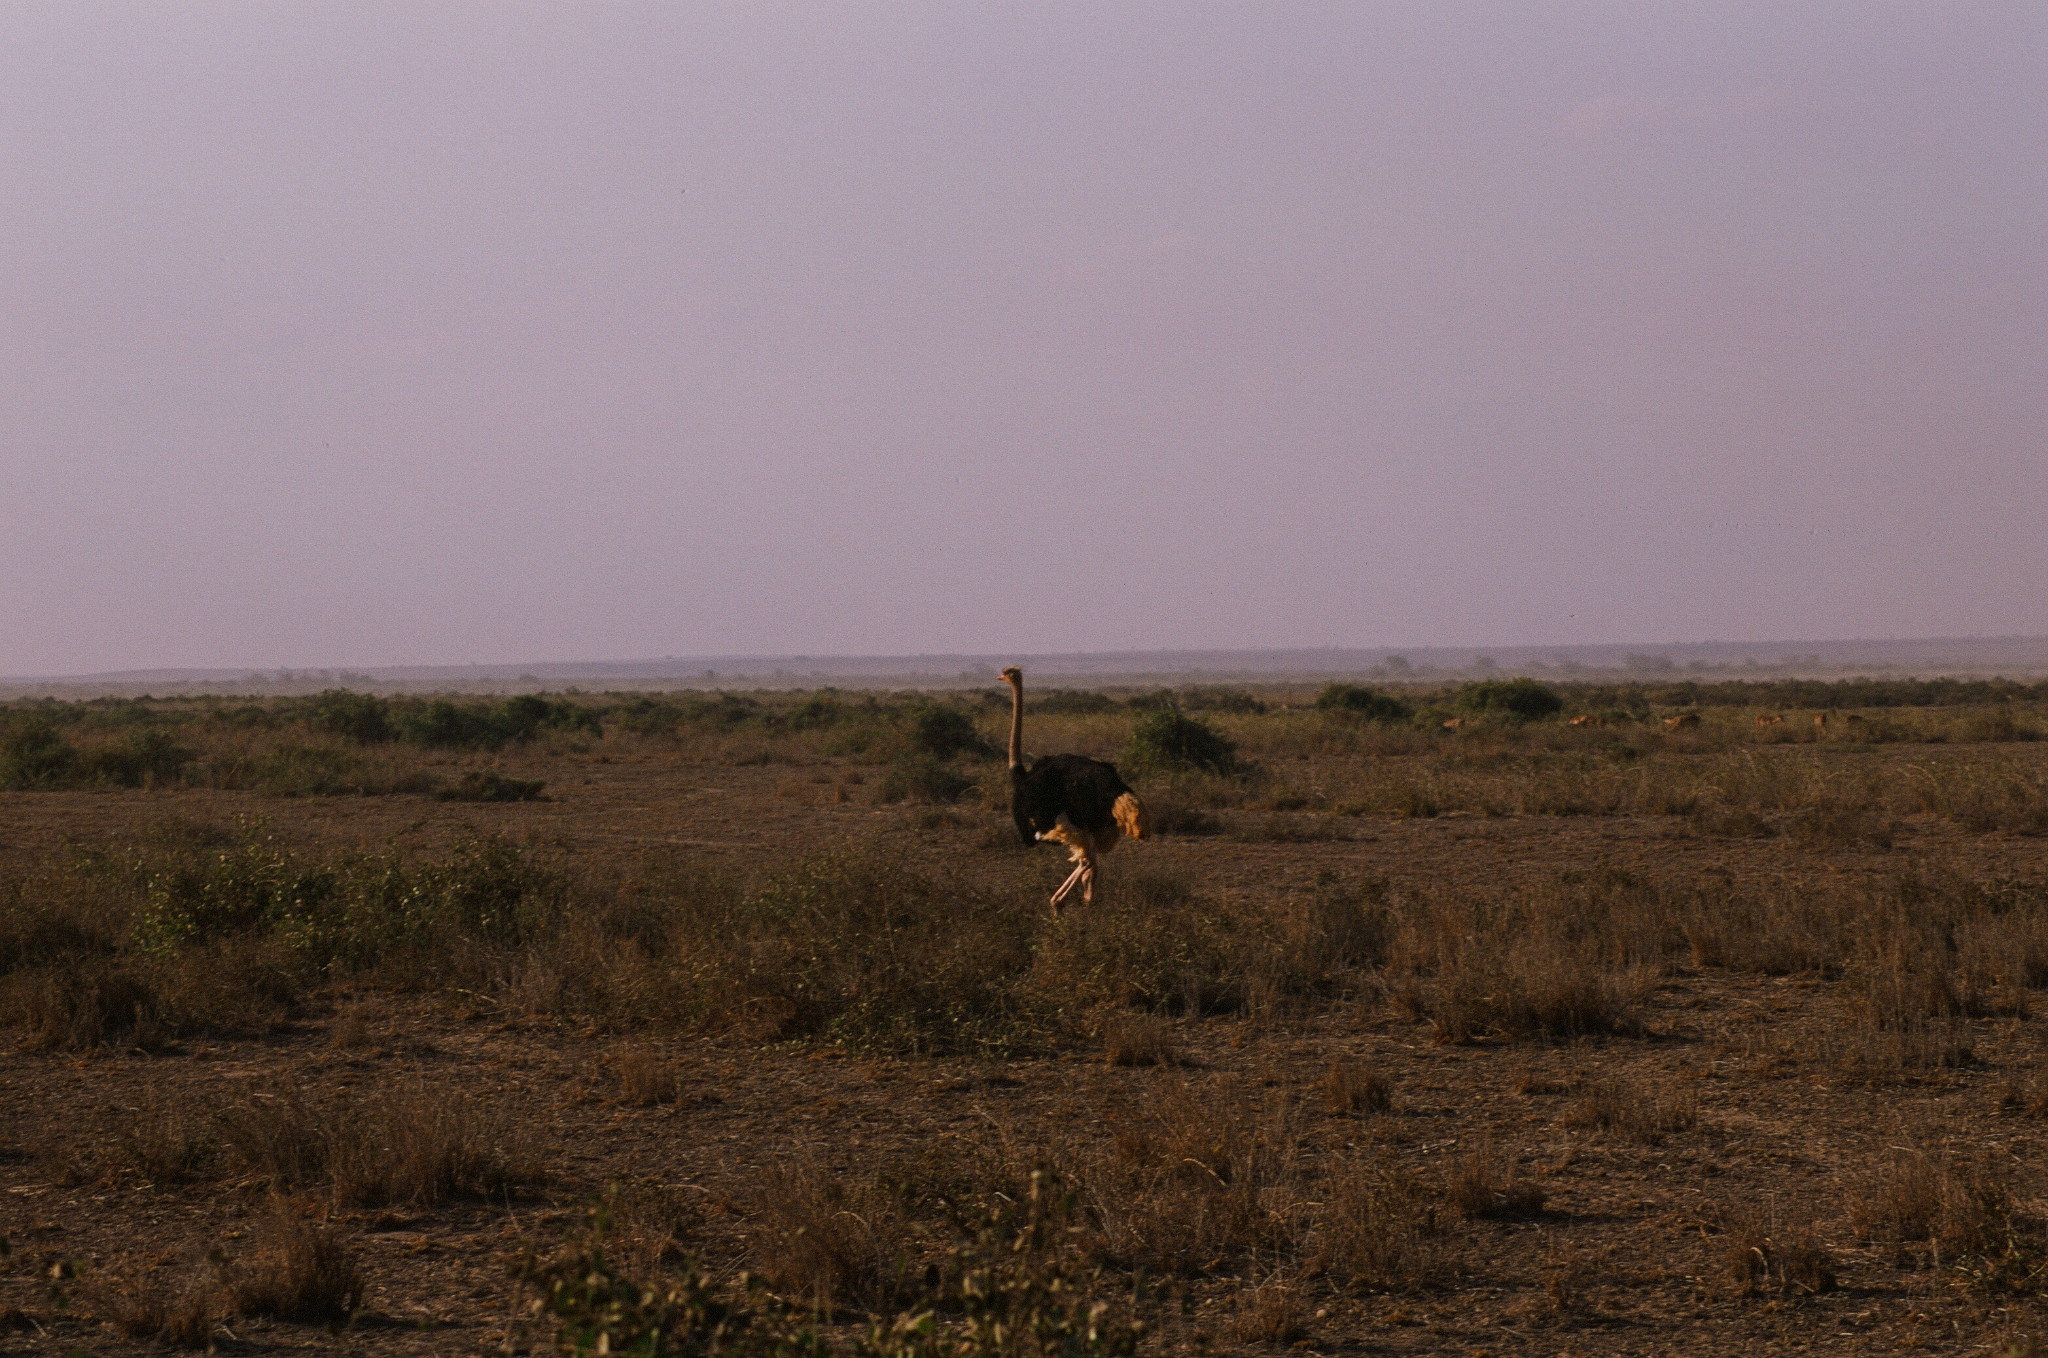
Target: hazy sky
(377, 334)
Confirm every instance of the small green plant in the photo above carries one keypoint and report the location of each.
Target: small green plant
(1170, 739)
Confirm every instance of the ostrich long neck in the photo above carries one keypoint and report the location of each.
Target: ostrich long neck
(1017, 724)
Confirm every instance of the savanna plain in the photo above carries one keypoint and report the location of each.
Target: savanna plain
(1493, 1018)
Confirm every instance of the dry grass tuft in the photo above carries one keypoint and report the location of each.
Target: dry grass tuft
(413, 1145)
(649, 1226)
(1350, 1086)
(180, 1316)
(1269, 1313)
(1625, 1109)
(832, 1238)
(1482, 1185)
(1964, 1212)
(165, 1141)
(298, 1270)
(644, 1078)
(1133, 1039)
(1197, 1174)
(1376, 1228)
(1758, 1258)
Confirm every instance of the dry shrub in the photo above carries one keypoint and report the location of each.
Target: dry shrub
(1482, 1185)
(1536, 988)
(63, 1163)
(1619, 1106)
(1778, 932)
(84, 1002)
(298, 1270)
(1197, 1175)
(1964, 1211)
(352, 1031)
(1375, 1228)
(1838, 825)
(1269, 1313)
(1905, 1200)
(423, 1145)
(829, 1237)
(1758, 1258)
(181, 1315)
(165, 1140)
(1352, 1087)
(1150, 943)
(1531, 1083)
(644, 1078)
(414, 1145)
(647, 1226)
(1140, 1040)
(1907, 1007)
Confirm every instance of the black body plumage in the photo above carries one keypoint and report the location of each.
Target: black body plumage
(1084, 790)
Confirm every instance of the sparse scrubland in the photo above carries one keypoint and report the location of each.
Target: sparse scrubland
(739, 1023)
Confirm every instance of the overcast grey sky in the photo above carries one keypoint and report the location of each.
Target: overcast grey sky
(376, 334)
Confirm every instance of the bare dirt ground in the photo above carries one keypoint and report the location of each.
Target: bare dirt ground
(1628, 1254)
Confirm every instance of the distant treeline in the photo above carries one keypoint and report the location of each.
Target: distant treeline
(1819, 694)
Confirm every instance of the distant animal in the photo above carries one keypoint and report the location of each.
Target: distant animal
(1853, 719)
(1683, 721)
(1069, 799)
(1455, 724)
(1770, 721)
(1820, 721)
(1587, 719)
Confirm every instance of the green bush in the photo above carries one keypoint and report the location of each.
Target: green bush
(943, 732)
(1523, 698)
(360, 717)
(145, 757)
(36, 754)
(442, 724)
(1069, 702)
(1170, 739)
(1363, 702)
(923, 778)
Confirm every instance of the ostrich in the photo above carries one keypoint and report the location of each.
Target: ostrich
(1069, 799)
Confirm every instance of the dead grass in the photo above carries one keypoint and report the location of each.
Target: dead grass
(1270, 1312)
(416, 1144)
(1350, 1086)
(1965, 1211)
(180, 1312)
(644, 1078)
(827, 1237)
(1198, 1173)
(1632, 1112)
(296, 1269)
(1759, 1258)
(1139, 1039)
(1481, 1184)
(1376, 1227)
(166, 1140)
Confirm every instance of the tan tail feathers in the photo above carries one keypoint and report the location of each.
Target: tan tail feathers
(1130, 816)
